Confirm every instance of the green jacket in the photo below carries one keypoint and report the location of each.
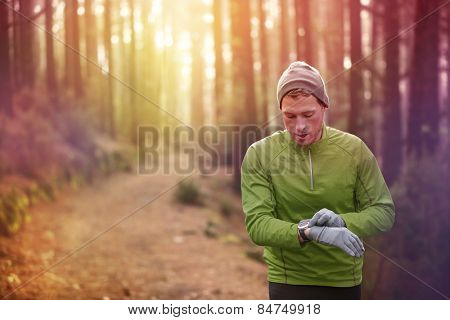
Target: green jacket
(283, 183)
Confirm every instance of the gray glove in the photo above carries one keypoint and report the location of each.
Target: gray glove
(328, 218)
(341, 238)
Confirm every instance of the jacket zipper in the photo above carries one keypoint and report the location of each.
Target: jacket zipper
(310, 171)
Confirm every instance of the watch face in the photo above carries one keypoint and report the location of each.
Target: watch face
(303, 223)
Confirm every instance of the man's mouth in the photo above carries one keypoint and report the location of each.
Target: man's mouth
(302, 136)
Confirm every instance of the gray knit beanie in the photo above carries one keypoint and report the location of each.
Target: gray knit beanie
(300, 75)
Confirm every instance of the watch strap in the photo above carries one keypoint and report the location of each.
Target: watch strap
(301, 232)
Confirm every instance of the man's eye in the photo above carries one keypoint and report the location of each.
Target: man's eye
(290, 116)
(308, 115)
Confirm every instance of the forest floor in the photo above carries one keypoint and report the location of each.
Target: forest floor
(164, 251)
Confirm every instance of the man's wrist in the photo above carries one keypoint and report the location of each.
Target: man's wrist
(307, 233)
(300, 239)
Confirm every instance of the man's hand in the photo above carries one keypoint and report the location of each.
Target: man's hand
(341, 238)
(328, 218)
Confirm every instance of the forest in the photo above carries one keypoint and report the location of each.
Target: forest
(108, 106)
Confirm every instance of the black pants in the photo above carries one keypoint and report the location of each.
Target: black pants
(282, 291)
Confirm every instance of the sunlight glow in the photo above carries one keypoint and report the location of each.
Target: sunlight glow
(127, 36)
(269, 24)
(138, 27)
(37, 8)
(402, 86)
(347, 62)
(155, 11)
(124, 11)
(208, 18)
(56, 28)
(159, 39)
(226, 52)
(227, 23)
(186, 58)
(210, 73)
(364, 15)
(301, 32)
(168, 39)
(274, 8)
(185, 71)
(99, 9)
(184, 41)
(80, 11)
(101, 57)
(59, 11)
(365, 38)
(209, 57)
(115, 39)
(209, 42)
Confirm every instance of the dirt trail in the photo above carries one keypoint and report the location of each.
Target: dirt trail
(162, 252)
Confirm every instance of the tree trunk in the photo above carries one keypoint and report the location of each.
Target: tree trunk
(334, 49)
(218, 64)
(197, 112)
(243, 79)
(27, 57)
(132, 68)
(423, 120)
(448, 95)
(151, 66)
(16, 57)
(5, 72)
(78, 82)
(392, 128)
(67, 38)
(73, 67)
(169, 78)
(123, 98)
(90, 37)
(356, 82)
(50, 56)
(284, 35)
(304, 31)
(373, 101)
(109, 110)
(197, 37)
(264, 61)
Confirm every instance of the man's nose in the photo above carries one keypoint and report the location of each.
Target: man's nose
(300, 125)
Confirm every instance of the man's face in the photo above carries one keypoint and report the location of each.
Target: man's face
(302, 118)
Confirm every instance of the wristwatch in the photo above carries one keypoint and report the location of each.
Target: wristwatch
(302, 225)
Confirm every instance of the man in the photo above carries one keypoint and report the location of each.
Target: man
(310, 194)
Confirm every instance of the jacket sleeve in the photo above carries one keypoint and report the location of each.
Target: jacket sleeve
(374, 205)
(258, 204)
